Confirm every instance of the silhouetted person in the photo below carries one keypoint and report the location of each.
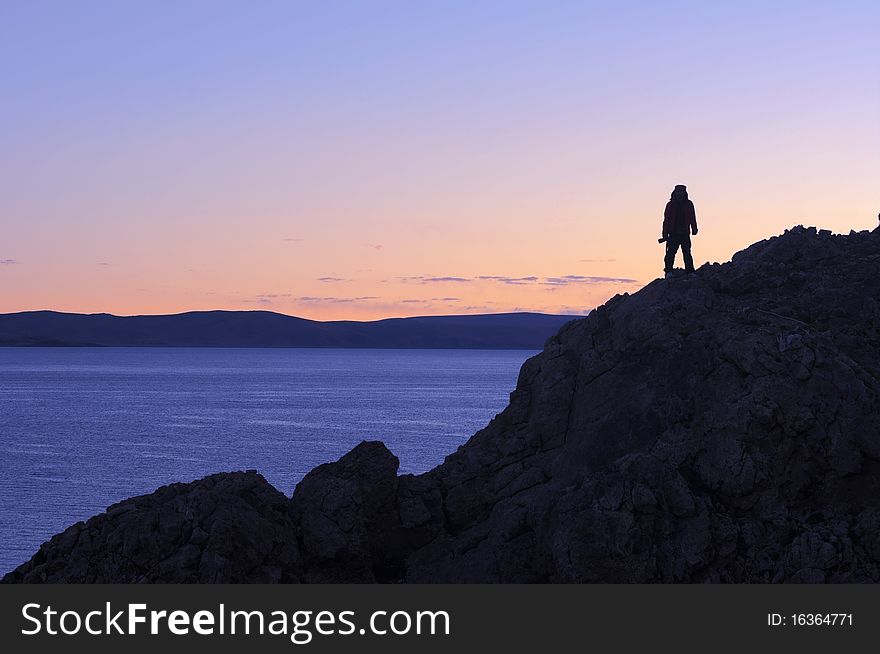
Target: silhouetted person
(679, 221)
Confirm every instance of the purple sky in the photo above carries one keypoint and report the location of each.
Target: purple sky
(372, 159)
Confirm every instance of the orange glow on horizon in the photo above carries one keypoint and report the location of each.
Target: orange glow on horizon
(347, 163)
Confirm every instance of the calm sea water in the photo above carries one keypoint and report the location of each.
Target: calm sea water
(81, 428)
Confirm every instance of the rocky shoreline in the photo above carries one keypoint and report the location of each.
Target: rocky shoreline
(717, 427)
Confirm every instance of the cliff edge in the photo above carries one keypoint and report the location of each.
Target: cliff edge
(720, 427)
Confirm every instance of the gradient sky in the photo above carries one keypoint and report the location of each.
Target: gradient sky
(371, 159)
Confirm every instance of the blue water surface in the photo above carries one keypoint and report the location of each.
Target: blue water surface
(82, 428)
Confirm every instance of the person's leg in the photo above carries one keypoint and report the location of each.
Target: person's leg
(686, 253)
(671, 249)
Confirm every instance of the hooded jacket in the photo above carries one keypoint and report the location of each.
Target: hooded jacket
(680, 217)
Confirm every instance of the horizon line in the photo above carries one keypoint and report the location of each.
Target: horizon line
(287, 315)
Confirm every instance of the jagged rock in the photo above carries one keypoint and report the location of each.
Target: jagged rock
(346, 514)
(722, 426)
(229, 527)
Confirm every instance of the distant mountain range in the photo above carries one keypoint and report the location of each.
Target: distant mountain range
(269, 329)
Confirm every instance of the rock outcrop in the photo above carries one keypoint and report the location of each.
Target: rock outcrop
(722, 427)
(229, 527)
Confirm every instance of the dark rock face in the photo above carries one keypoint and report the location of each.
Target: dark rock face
(722, 426)
(346, 514)
(230, 527)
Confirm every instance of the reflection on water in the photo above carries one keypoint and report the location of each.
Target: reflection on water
(81, 428)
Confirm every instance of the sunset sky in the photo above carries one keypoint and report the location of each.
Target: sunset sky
(371, 159)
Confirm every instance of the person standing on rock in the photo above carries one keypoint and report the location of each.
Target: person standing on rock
(679, 221)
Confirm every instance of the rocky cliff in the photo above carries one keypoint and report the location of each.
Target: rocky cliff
(722, 426)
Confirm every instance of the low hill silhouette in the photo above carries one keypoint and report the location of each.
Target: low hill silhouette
(526, 331)
(719, 427)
